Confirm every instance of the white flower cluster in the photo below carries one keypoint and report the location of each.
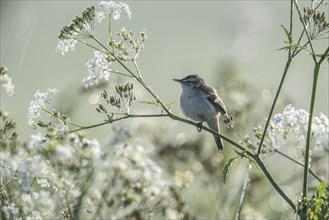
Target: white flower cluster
(66, 45)
(41, 100)
(46, 178)
(112, 8)
(83, 27)
(133, 166)
(44, 173)
(290, 127)
(98, 68)
(6, 81)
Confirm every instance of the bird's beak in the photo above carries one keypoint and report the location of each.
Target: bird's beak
(177, 80)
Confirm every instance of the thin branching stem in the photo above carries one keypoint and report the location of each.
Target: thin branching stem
(137, 68)
(118, 119)
(261, 165)
(120, 73)
(289, 60)
(297, 162)
(305, 30)
(140, 80)
(243, 194)
(88, 44)
(309, 128)
(274, 103)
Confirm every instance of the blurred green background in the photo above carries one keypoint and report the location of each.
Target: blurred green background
(226, 42)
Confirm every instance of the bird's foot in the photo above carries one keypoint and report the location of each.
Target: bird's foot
(199, 126)
(228, 120)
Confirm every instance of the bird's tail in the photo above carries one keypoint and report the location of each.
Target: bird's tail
(214, 125)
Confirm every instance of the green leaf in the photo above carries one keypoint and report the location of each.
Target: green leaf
(285, 31)
(321, 190)
(227, 167)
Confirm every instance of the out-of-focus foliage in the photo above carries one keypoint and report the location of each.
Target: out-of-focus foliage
(74, 177)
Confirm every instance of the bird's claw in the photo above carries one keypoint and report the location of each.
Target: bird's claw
(199, 126)
(228, 120)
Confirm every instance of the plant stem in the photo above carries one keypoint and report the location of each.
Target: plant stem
(309, 129)
(117, 119)
(260, 163)
(89, 45)
(177, 118)
(140, 80)
(281, 82)
(137, 68)
(243, 193)
(305, 30)
(274, 103)
(295, 161)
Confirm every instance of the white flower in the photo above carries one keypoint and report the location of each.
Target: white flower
(35, 142)
(94, 147)
(34, 216)
(100, 16)
(320, 130)
(133, 164)
(6, 83)
(291, 125)
(98, 68)
(64, 154)
(114, 9)
(43, 182)
(66, 45)
(12, 208)
(41, 100)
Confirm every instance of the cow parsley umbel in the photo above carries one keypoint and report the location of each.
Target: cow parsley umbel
(290, 127)
(113, 9)
(81, 30)
(98, 68)
(6, 81)
(41, 100)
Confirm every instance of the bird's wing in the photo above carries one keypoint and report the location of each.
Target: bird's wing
(214, 99)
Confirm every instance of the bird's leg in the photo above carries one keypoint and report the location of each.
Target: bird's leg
(199, 126)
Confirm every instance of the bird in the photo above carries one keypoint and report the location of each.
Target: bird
(201, 103)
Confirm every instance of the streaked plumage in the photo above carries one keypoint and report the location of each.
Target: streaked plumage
(201, 103)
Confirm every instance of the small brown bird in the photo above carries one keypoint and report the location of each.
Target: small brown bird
(201, 103)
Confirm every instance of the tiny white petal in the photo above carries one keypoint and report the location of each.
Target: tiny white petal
(98, 68)
(40, 101)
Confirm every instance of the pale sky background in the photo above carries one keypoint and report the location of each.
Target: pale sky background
(185, 37)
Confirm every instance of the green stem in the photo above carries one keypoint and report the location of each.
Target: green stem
(140, 80)
(137, 69)
(119, 73)
(306, 31)
(89, 45)
(260, 163)
(309, 129)
(177, 118)
(281, 82)
(243, 194)
(295, 161)
(274, 103)
(117, 119)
